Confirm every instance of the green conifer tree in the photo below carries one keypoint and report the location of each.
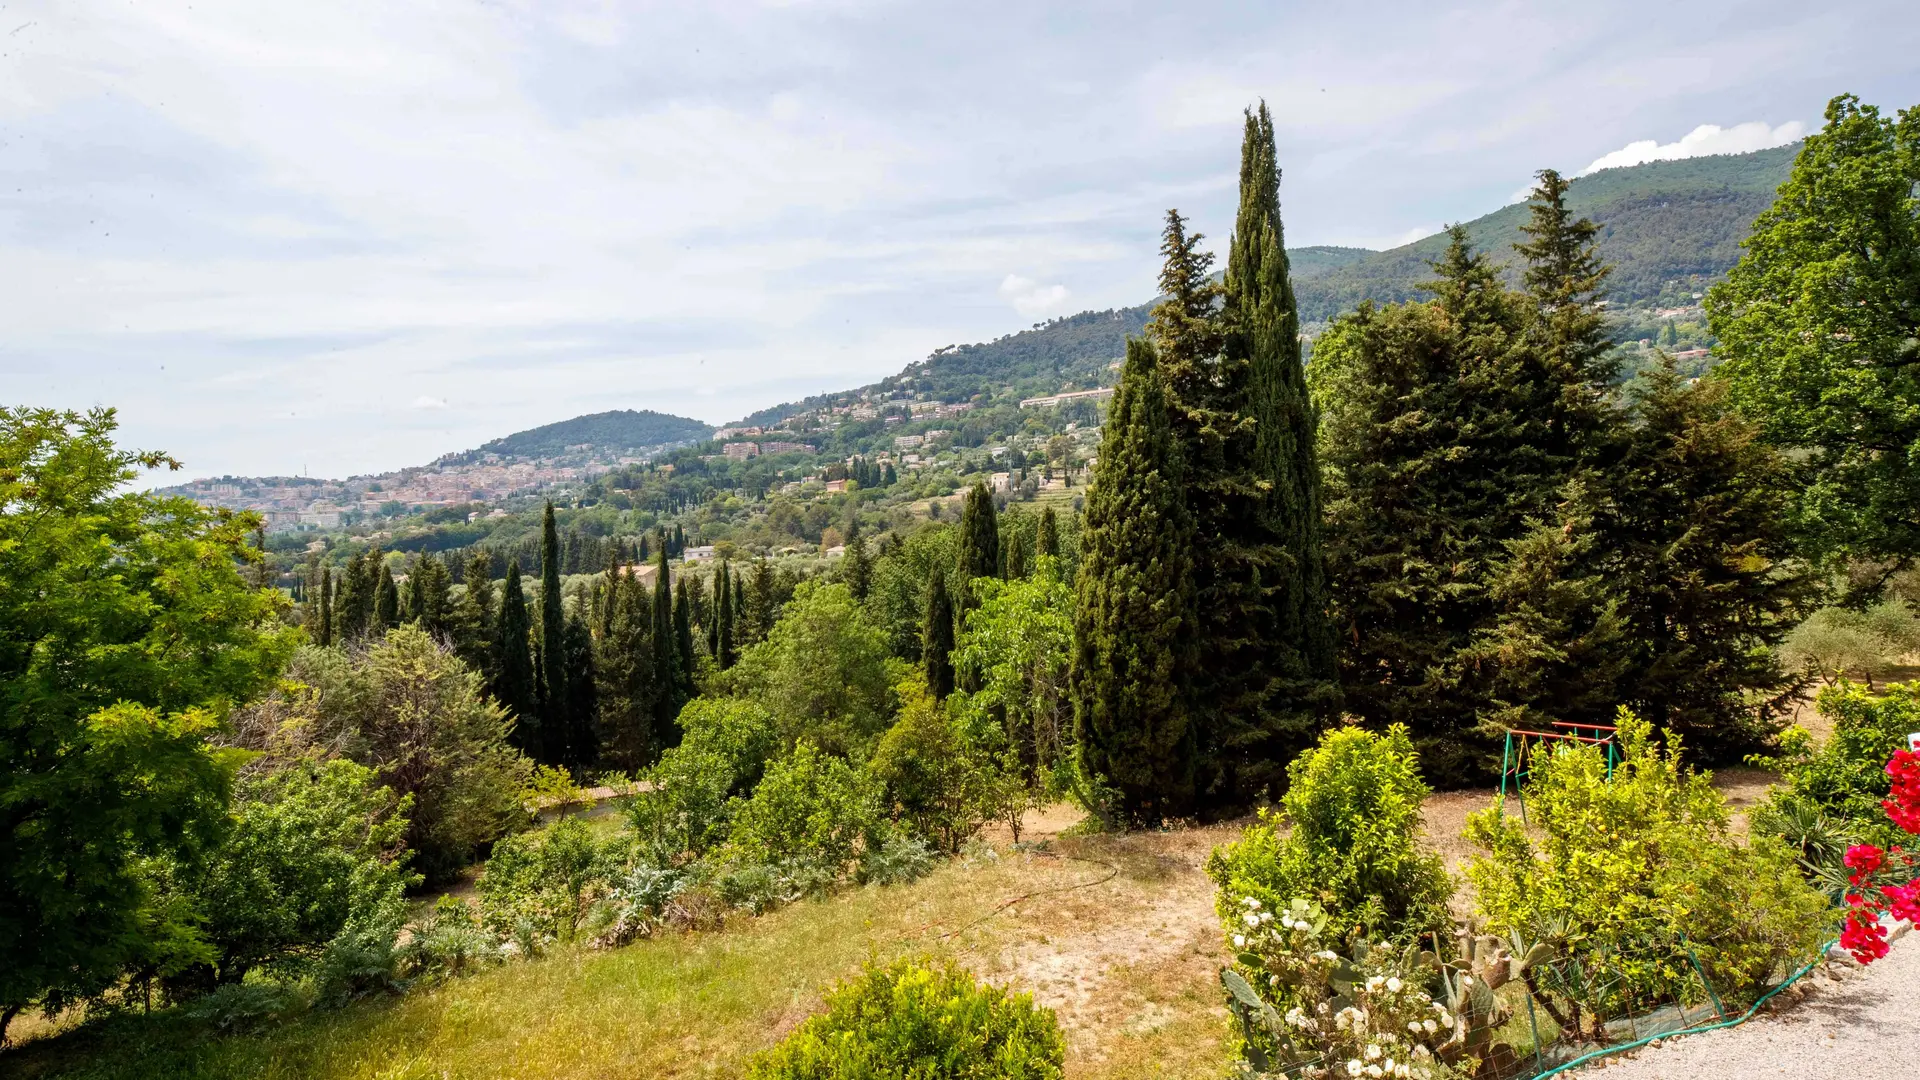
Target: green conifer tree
(858, 566)
(723, 655)
(684, 606)
(582, 705)
(555, 725)
(937, 634)
(474, 619)
(325, 626)
(1047, 538)
(1134, 612)
(626, 682)
(670, 662)
(386, 599)
(979, 541)
(515, 678)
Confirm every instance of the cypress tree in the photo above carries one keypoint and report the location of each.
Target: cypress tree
(644, 553)
(761, 602)
(474, 620)
(859, 568)
(1047, 538)
(1133, 614)
(353, 604)
(515, 678)
(429, 595)
(582, 704)
(669, 661)
(683, 619)
(326, 606)
(555, 724)
(979, 540)
(608, 596)
(936, 634)
(386, 599)
(723, 619)
(626, 681)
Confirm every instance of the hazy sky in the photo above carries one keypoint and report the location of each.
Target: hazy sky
(346, 237)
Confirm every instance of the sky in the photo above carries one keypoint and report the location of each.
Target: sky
(346, 237)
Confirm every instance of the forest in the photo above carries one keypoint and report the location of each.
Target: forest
(1293, 593)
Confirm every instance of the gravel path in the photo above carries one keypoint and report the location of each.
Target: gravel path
(1851, 1025)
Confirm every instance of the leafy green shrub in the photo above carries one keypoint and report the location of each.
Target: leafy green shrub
(547, 880)
(407, 708)
(1353, 805)
(362, 960)
(1635, 874)
(822, 671)
(637, 902)
(1843, 781)
(931, 778)
(721, 756)
(810, 807)
(761, 887)
(314, 847)
(925, 1020)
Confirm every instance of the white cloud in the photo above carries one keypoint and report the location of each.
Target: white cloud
(1702, 141)
(426, 402)
(1030, 298)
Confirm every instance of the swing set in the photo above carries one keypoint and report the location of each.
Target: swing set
(1516, 761)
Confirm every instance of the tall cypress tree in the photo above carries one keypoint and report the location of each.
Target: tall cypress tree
(514, 676)
(325, 627)
(979, 553)
(353, 603)
(555, 724)
(936, 634)
(627, 685)
(669, 661)
(429, 596)
(683, 619)
(859, 568)
(1047, 538)
(723, 618)
(1247, 429)
(474, 620)
(386, 599)
(1134, 612)
(582, 704)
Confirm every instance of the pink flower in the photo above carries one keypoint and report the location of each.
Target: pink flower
(1865, 858)
(1904, 900)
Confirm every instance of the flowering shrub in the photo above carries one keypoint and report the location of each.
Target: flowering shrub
(1845, 780)
(1320, 1014)
(1880, 880)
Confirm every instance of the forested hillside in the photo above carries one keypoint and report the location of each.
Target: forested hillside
(620, 429)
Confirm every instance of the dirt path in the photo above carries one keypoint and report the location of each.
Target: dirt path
(1848, 1024)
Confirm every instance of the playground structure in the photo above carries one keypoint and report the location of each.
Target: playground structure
(1516, 760)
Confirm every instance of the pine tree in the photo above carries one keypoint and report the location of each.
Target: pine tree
(936, 634)
(1697, 547)
(386, 599)
(858, 567)
(555, 725)
(1565, 280)
(670, 662)
(325, 627)
(1134, 614)
(515, 678)
(1047, 539)
(429, 596)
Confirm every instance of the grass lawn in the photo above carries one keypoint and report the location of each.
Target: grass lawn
(1129, 964)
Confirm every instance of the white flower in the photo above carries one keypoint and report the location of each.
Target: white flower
(1239, 941)
(1414, 1026)
(1429, 1025)
(1393, 986)
(1353, 1068)
(1267, 916)
(1374, 1070)
(1374, 982)
(1387, 1064)
(1252, 919)
(1421, 1052)
(1327, 954)
(1373, 1052)
(1251, 902)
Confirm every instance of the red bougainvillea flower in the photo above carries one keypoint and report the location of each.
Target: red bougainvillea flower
(1863, 937)
(1904, 804)
(1904, 901)
(1866, 858)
